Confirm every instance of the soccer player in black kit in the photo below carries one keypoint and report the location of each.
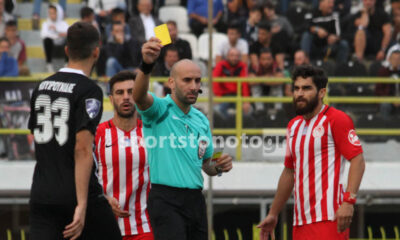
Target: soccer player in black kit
(66, 200)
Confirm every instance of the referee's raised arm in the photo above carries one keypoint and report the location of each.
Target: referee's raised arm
(150, 52)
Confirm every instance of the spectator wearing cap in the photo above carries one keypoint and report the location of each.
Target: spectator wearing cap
(323, 38)
(233, 41)
(8, 64)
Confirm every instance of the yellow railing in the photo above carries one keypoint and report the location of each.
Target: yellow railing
(238, 100)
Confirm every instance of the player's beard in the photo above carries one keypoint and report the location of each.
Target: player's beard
(309, 106)
(125, 114)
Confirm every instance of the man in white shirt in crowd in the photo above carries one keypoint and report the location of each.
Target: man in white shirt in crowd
(233, 41)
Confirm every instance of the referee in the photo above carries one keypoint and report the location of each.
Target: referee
(66, 199)
(180, 146)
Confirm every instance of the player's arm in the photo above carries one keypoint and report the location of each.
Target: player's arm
(83, 167)
(222, 164)
(345, 212)
(150, 52)
(285, 188)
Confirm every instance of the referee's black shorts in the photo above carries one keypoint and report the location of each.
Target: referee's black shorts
(47, 222)
(177, 213)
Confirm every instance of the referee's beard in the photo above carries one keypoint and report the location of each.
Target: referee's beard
(309, 107)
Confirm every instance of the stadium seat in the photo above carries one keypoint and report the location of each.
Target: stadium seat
(354, 69)
(203, 44)
(178, 14)
(328, 66)
(374, 68)
(191, 38)
(172, 2)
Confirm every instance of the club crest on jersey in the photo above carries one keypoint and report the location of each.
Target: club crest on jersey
(353, 138)
(202, 148)
(318, 131)
(92, 107)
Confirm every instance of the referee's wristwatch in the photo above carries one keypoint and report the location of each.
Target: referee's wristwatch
(218, 169)
(350, 198)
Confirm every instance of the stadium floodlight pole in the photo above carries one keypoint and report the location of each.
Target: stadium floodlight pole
(210, 114)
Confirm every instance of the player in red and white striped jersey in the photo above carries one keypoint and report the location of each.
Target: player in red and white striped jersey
(319, 140)
(123, 166)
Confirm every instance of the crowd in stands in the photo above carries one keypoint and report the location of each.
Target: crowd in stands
(264, 38)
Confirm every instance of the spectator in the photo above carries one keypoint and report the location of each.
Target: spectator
(37, 5)
(250, 26)
(267, 68)
(17, 47)
(395, 6)
(118, 15)
(123, 53)
(231, 67)
(181, 45)
(163, 69)
(395, 38)
(87, 15)
(372, 29)
(142, 26)
(392, 69)
(300, 58)
(8, 64)
(4, 17)
(343, 7)
(103, 8)
(279, 24)
(198, 16)
(265, 40)
(233, 41)
(53, 33)
(323, 38)
(239, 9)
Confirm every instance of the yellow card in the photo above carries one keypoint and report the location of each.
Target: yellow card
(162, 33)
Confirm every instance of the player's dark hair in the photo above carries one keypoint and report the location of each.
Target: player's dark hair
(82, 39)
(86, 12)
(11, 23)
(120, 77)
(317, 75)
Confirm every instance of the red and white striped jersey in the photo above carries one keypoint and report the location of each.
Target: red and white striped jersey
(124, 173)
(316, 149)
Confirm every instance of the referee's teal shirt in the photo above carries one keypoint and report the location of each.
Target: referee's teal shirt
(176, 143)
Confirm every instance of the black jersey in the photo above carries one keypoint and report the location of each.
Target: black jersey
(62, 105)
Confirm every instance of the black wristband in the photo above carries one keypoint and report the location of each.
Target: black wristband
(146, 68)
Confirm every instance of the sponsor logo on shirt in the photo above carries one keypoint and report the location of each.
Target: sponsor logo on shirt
(92, 107)
(353, 138)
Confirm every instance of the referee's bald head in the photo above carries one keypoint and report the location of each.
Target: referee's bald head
(182, 65)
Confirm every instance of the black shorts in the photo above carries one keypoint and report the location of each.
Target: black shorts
(48, 221)
(177, 213)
